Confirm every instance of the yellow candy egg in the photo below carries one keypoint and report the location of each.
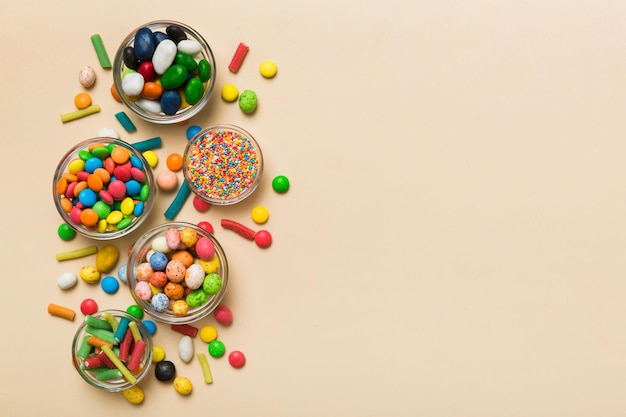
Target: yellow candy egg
(89, 274)
(211, 265)
(182, 385)
(188, 237)
(180, 307)
(134, 395)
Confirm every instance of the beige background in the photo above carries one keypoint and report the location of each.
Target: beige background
(452, 244)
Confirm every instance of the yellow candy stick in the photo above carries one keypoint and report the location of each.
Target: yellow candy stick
(134, 331)
(111, 319)
(77, 253)
(119, 365)
(206, 371)
(68, 117)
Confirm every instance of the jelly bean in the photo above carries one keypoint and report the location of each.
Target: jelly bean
(194, 89)
(164, 56)
(151, 91)
(236, 359)
(174, 77)
(89, 274)
(185, 60)
(176, 33)
(107, 258)
(185, 349)
(223, 315)
(160, 37)
(107, 132)
(147, 71)
(189, 46)
(132, 84)
(165, 371)
(204, 70)
(114, 93)
(170, 102)
(151, 106)
(144, 44)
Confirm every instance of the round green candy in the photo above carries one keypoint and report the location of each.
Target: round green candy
(280, 184)
(84, 154)
(102, 209)
(65, 232)
(212, 283)
(204, 70)
(217, 348)
(196, 298)
(124, 223)
(135, 310)
(248, 101)
(101, 152)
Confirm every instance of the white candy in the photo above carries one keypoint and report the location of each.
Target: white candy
(86, 76)
(152, 106)
(185, 349)
(132, 84)
(189, 46)
(194, 276)
(67, 280)
(159, 244)
(107, 132)
(163, 56)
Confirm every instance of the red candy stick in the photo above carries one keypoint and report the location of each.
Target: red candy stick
(125, 346)
(185, 329)
(240, 54)
(135, 357)
(238, 228)
(105, 360)
(94, 362)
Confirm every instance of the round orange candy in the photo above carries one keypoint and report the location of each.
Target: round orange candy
(88, 217)
(184, 257)
(114, 93)
(62, 186)
(66, 204)
(174, 161)
(82, 100)
(95, 182)
(120, 155)
(151, 90)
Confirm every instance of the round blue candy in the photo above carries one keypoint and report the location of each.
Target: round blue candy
(109, 284)
(192, 131)
(135, 162)
(87, 197)
(170, 102)
(121, 274)
(160, 302)
(138, 211)
(133, 188)
(92, 164)
(151, 326)
(158, 261)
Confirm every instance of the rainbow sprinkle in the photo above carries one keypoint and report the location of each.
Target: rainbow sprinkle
(223, 165)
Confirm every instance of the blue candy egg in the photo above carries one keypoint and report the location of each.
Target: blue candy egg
(158, 261)
(160, 37)
(121, 274)
(160, 302)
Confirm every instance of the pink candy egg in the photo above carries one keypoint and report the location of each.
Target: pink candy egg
(205, 249)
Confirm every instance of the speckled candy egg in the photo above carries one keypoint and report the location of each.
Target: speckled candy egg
(175, 270)
(205, 248)
(188, 237)
(160, 302)
(143, 271)
(194, 277)
(87, 76)
(172, 237)
(212, 284)
(180, 307)
(143, 290)
(174, 291)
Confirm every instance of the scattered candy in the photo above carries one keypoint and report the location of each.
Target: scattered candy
(67, 280)
(167, 180)
(114, 93)
(134, 395)
(65, 232)
(263, 239)
(125, 121)
(107, 132)
(192, 131)
(60, 311)
(109, 284)
(200, 204)
(76, 253)
(223, 165)
(89, 274)
(206, 226)
(238, 228)
(158, 354)
(185, 349)
(148, 144)
(179, 200)
(151, 157)
(280, 184)
(82, 100)
(259, 214)
(236, 359)
(268, 69)
(89, 306)
(237, 59)
(185, 329)
(107, 258)
(86, 77)
(208, 334)
(165, 371)
(248, 101)
(68, 117)
(206, 370)
(121, 273)
(174, 161)
(230, 93)
(182, 385)
(101, 53)
(217, 348)
(151, 326)
(135, 311)
(223, 315)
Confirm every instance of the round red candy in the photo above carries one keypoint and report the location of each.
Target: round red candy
(236, 359)
(200, 205)
(206, 226)
(263, 239)
(223, 315)
(89, 306)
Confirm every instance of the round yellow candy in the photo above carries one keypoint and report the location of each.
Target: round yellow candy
(134, 395)
(89, 274)
(182, 385)
(230, 92)
(151, 158)
(158, 354)
(208, 334)
(259, 214)
(268, 69)
(211, 265)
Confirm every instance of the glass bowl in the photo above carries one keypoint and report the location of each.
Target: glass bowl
(91, 360)
(188, 80)
(179, 285)
(223, 164)
(103, 188)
